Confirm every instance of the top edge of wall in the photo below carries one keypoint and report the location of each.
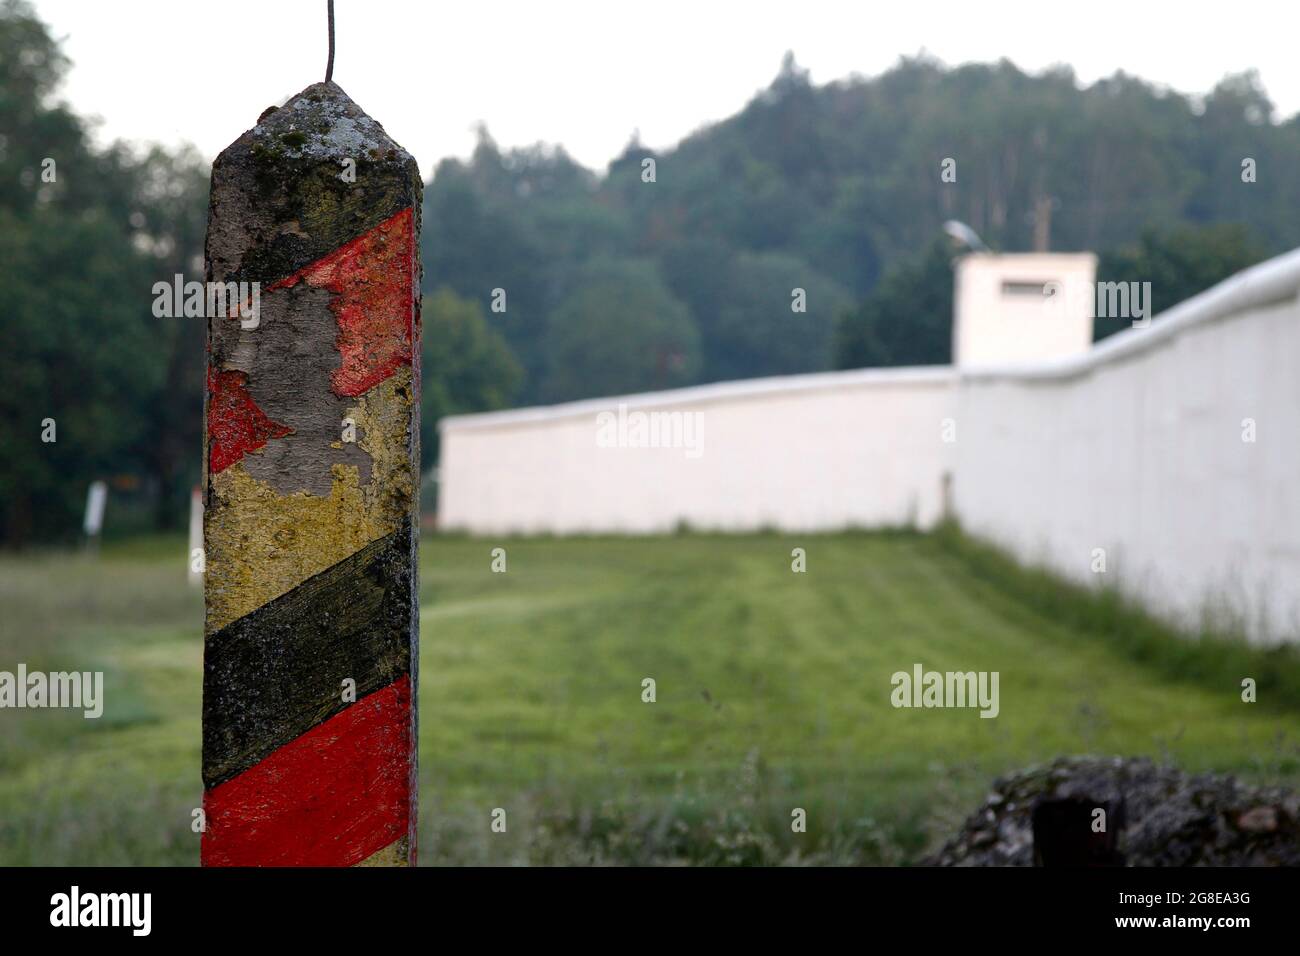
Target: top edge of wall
(703, 394)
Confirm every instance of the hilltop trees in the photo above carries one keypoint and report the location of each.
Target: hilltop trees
(906, 319)
(619, 329)
(1178, 263)
(830, 188)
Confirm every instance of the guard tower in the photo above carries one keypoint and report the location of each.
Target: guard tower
(1022, 307)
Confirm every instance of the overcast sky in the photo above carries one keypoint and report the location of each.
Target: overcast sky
(586, 74)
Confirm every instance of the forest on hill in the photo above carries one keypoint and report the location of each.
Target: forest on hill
(613, 283)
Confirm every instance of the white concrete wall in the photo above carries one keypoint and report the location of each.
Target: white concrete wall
(1138, 448)
(805, 452)
(1134, 446)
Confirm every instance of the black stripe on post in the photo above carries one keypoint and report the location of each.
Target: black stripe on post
(277, 672)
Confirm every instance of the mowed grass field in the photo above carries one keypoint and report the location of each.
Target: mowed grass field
(773, 693)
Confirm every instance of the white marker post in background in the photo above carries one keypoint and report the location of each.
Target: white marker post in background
(196, 562)
(94, 522)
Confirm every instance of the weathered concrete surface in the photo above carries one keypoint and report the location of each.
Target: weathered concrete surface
(277, 201)
(338, 265)
(1157, 816)
(311, 468)
(261, 544)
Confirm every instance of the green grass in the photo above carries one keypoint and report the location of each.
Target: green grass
(772, 693)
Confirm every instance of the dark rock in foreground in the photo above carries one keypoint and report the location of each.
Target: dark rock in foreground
(1155, 816)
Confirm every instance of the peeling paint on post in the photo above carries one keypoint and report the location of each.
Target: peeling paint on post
(311, 494)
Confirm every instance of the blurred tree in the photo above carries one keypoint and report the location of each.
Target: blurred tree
(84, 234)
(520, 221)
(32, 127)
(466, 366)
(757, 329)
(619, 330)
(166, 206)
(78, 348)
(743, 308)
(474, 242)
(1178, 264)
(906, 320)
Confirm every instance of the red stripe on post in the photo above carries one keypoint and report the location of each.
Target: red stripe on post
(370, 277)
(332, 797)
(236, 425)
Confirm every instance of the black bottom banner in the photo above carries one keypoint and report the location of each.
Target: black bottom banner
(340, 906)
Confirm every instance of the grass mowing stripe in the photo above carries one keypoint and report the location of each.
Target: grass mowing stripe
(531, 701)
